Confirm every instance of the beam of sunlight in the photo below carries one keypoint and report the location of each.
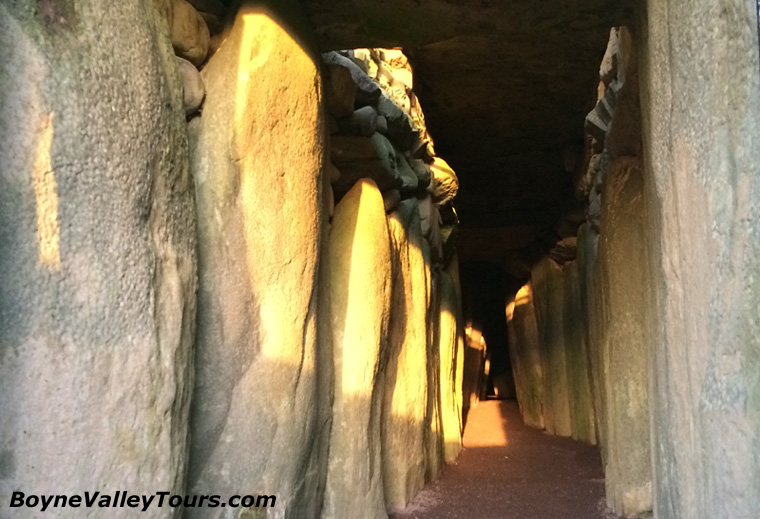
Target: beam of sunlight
(46, 197)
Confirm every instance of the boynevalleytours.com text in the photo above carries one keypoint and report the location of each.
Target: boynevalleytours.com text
(143, 502)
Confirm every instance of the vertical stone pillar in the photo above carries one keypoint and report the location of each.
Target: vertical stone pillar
(701, 117)
(97, 261)
(257, 159)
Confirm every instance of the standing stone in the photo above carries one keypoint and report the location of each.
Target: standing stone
(525, 357)
(360, 292)
(97, 261)
(452, 362)
(622, 338)
(257, 161)
(701, 116)
(434, 453)
(577, 357)
(406, 389)
(548, 289)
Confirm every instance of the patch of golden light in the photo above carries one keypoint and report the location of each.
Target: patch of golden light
(522, 297)
(46, 197)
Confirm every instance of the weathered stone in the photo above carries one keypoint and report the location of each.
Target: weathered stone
(422, 171)
(474, 365)
(405, 397)
(190, 35)
(434, 446)
(98, 257)
(444, 183)
(430, 222)
(598, 120)
(449, 240)
(582, 415)
(452, 364)
(367, 90)
(548, 290)
(382, 169)
(360, 261)
(703, 207)
(400, 126)
(350, 149)
(406, 175)
(193, 89)
(340, 92)
(382, 124)
(362, 121)
(525, 356)
(621, 326)
(256, 387)
(608, 70)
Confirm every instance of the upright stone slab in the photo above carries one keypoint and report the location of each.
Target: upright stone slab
(548, 289)
(582, 416)
(360, 292)
(256, 160)
(625, 351)
(97, 233)
(452, 362)
(434, 454)
(526, 358)
(406, 391)
(701, 119)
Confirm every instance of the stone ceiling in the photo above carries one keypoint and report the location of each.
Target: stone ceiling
(505, 87)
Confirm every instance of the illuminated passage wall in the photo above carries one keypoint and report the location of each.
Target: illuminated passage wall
(224, 270)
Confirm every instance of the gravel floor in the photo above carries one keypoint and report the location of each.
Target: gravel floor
(510, 471)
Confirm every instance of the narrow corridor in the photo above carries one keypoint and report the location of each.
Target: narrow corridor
(510, 471)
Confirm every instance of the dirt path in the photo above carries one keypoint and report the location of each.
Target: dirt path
(510, 471)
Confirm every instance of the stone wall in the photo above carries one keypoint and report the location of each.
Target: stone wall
(228, 263)
(98, 261)
(701, 120)
(591, 310)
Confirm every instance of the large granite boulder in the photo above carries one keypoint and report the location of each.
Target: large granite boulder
(258, 153)
(360, 293)
(97, 233)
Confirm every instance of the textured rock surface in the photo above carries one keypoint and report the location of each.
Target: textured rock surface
(452, 362)
(97, 232)
(360, 292)
(582, 415)
(434, 453)
(701, 118)
(547, 282)
(405, 397)
(190, 35)
(193, 89)
(258, 153)
(623, 353)
(526, 359)
(443, 183)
